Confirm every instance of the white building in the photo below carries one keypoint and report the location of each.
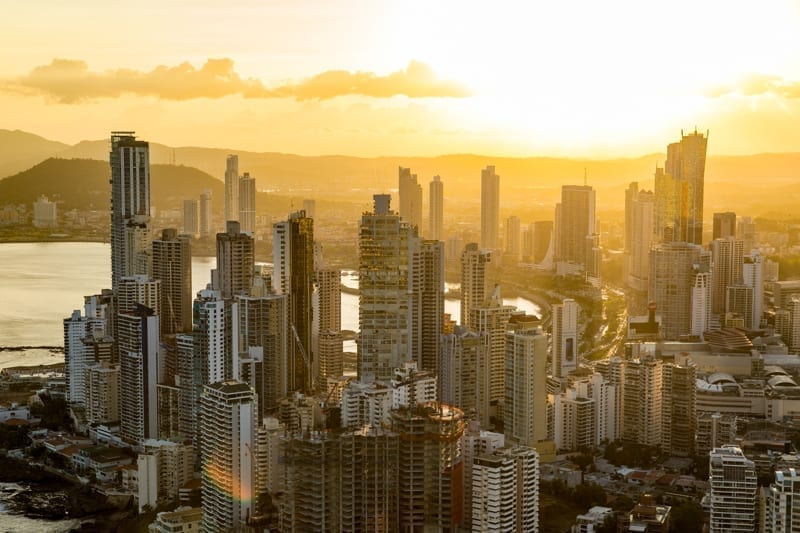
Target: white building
(590, 521)
(44, 213)
(370, 403)
(525, 406)
(734, 484)
(781, 502)
(565, 338)
(228, 465)
(505, 490)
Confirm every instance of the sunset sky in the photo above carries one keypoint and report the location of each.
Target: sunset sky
(358, 77)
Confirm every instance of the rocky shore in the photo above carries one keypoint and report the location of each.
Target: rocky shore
(44, 495)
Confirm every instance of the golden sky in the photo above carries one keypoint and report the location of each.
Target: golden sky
(412, 77)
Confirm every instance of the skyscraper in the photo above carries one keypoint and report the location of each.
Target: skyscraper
(383, 300)
(410, 193)
(726, 260)
(672, 276)
(427, 302)
(247, 203)
(492, 318)
(430, 466)
(753, 276)
(781, 506)
(138, 344)
(679, 190)
(327, 331)
(436, 213)
(172, 266)
(368, 488)
(473, 280)
(490, 208)
(679, 409)
(542, 240)
(639, 228)
(235, 261)
(513, 238)
(565, 338)
(191, 217)
(293, 275)
(641, 404)
(525, 418)
(130, 205)
(734, 485)
(464, 373)
(262, 321)
(228, 466)
(232, 188)
(206, 216)
(505, 490)
(575, 221)
(724, 225)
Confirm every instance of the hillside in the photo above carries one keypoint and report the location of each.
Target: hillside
(84, 184)
(530, 186)
(20, 150)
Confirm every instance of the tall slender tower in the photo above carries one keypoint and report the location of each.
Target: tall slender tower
(679, 190)
(565, 338)
(235, 261)
(490, 208)
(191, 217)
(383, 312)
(327, 334)
(206, 216)
(427, 302)
(473, 280)
(492, 318)
(576, 221)
(410, 193)
(228, 428)
(130, 205)
(247, 203)
(262, 320)
(293, 260)
(138, 353)
(232, 188)
(727, 258)
(513, 238)
(525, 418)
(639, 228)
(436, 219)
(172, 265)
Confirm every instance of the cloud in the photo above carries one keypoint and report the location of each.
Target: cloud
(757, 84)
(70, 81)
(416, 81)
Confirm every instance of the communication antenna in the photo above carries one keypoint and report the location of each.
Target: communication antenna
(584, 176)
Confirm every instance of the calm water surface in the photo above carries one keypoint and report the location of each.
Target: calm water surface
(41, 283)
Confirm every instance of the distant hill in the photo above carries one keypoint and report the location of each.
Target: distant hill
(84, 184)
(20, 150)
(529, 186)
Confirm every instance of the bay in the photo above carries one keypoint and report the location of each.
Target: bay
(41, 283)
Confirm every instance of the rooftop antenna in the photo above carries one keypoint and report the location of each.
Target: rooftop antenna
(584, 176)
(173, 157)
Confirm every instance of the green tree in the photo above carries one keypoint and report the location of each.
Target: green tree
(687, 518)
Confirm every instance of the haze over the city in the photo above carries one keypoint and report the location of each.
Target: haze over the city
(573, 78)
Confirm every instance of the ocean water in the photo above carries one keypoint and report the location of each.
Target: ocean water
(41, 283)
